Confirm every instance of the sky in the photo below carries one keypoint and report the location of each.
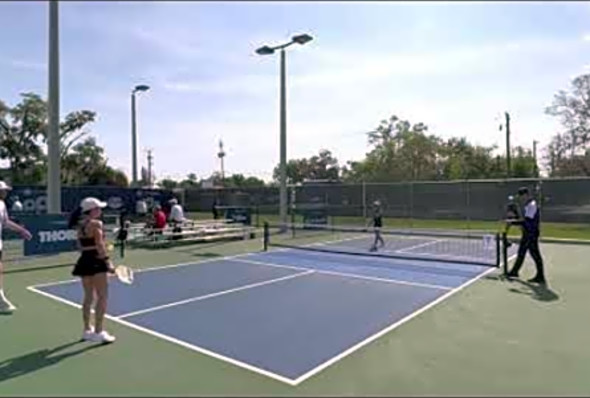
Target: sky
(457, 67)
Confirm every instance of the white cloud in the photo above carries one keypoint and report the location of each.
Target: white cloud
(586, 37)
(245, 84)
(28, 65)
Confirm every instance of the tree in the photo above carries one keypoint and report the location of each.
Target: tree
(462, 160)
(240, 181)
(561, 163)
(569, 149)
(573, 108)
(323, 166)
(21, 128)
(401, 151)
(191, 181)
(106, 175)
(23, 134)
(168, 183)
(87, 165)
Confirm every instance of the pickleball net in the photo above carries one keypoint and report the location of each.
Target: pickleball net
(463, 247)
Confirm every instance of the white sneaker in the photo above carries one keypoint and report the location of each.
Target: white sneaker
(102, 337)
(88, 335)
(6, 307)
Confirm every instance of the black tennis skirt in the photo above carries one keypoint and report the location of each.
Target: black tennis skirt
(90, 264)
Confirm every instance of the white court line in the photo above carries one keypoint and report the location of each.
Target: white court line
(347, 275)
(388, 329)
(419, 245)
(173, 340)
(216, 294)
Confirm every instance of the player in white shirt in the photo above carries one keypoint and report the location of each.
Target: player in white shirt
(6, 307)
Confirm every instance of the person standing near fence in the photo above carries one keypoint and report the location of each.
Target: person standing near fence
(529, 241)
(6, 307)
(377, 222)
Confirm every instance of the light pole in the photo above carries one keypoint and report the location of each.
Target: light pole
(221, 155)
(53, 141)
(141, 87)
(267, 50)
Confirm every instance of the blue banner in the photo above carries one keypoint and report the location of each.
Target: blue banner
(313, 214)
(238, 214)
(34, 198)
(50, 234)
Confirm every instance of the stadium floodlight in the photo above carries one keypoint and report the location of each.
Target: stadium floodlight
(267, 50)
(141, 87)
(302, 39)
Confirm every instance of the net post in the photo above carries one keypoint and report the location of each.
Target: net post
(293, 219)
(505, 252)
(265, 236)
(498, 251)
(122, 248)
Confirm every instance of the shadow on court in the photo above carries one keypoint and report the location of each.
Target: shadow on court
(536, 291)
(37, 360)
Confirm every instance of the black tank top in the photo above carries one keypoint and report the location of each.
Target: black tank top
(84, 240)
(377, 219)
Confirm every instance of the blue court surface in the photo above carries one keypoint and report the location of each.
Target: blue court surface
(286, 314)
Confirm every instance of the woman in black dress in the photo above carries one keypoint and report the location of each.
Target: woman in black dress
(377, 225)
(92, 267)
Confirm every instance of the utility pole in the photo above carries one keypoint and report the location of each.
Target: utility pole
(221, 155)
(508, 166)
(536, 170)
(150, 160)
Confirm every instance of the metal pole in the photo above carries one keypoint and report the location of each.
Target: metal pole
(53, 144)
(283, 139)
(364, 199)
(149, 160)
(508, 166)
(133, 142)
(535, 158)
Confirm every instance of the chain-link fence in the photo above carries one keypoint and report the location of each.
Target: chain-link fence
(563, 200)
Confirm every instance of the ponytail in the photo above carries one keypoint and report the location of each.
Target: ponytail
(75, 218)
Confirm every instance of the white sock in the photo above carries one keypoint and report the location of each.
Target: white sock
(2, 297)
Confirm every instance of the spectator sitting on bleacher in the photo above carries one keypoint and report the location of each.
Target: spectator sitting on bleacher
(176, 217)
(159, 219)
(176, 212)
(17, 205)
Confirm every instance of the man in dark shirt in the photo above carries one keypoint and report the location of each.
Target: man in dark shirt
(512, 214)
(530, 237)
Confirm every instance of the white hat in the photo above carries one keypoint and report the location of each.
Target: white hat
(92, 203)
(4, 186)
